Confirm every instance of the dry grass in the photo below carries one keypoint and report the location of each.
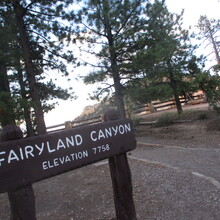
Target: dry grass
(169, 118)
(214, 125)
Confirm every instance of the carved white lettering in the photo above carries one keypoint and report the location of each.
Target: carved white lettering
(29, 151)
(115, 130)
(60, 144)
(70, 142)
(92, 136)
(121, 129)
(62, 160)
(21, 153)
(79, 139)
(44, 164)
(2, 159)
(55, 161)
(108, 132)
(101, 135)
(128, 128)
(12, 156)
(50, 165)
(65, 159)
(48, 146)
(49, 149)
(41, 149)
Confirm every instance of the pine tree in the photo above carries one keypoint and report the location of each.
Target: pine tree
(210, 29)
(167, 62)
(41, 37)
(7, 115)
(114, 26)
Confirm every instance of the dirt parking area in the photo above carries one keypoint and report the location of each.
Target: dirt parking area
(175, 175)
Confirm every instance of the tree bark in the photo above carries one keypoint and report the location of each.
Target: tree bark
(214, 46)
(29, 126)
(22, 201)
(122, 186)
(22, 204)
(121, 180)
(175, 90)
(118, 90)
(114, 66)
(7, 115)
(29, 66)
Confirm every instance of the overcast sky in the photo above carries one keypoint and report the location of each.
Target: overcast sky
(194, 8)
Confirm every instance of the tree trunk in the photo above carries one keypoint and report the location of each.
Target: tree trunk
(216, 54)
(7, 115)
(175, 90)
(22, 204)
(114, 66)
(118, 91)
(4, 84)
(29, 66)
(177, 100)
(22, 200)
(214, 46)
(121, 180)
(29, 127)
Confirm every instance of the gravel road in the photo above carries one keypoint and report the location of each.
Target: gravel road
(169, 183)
(197, 161)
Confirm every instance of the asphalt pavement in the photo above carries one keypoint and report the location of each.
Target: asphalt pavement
(201, 162)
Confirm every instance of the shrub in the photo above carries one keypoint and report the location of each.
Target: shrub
(169, 118)
(166, 119)
(202, 116)
(136, 121)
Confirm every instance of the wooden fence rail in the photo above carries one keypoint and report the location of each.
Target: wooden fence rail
(161, 105)
(143, 109)
(74, 123)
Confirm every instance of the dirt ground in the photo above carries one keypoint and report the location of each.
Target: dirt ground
(160, 192)
(185, 133)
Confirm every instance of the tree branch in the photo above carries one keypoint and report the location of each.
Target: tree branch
(90, 64)
(32, 3)
(41, 13)
(94, 31)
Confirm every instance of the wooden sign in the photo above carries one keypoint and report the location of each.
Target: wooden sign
(28, 160)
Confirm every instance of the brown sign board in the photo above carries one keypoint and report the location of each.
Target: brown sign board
(28, 160)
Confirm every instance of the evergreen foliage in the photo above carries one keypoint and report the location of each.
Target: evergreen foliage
(143, 49)
(167, 63)
(209, 84)
(35, 37)
(115, 27)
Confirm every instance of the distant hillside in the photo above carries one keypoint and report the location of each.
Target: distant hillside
(92, 111)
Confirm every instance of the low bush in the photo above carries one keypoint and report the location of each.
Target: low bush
(169, 118)
(136, 121)
(166, 119)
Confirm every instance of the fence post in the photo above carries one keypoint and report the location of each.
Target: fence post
(22, 201)
(121, 180)
(68, 125)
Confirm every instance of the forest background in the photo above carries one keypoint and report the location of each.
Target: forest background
(45, 46)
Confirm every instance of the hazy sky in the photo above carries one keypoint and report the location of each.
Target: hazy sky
(67, 110)
(194, 8)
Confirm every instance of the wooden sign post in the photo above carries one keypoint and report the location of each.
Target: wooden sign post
(28, 160)
(22, 200)
(121, 180)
